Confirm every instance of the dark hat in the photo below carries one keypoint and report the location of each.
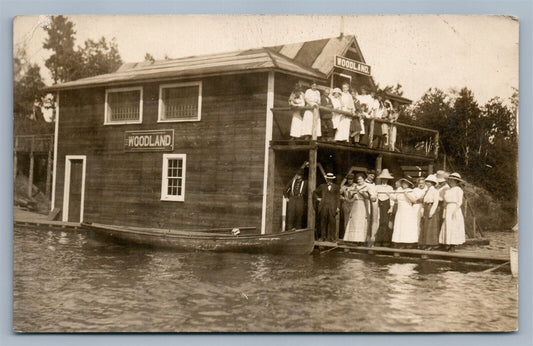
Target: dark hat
(406, 180)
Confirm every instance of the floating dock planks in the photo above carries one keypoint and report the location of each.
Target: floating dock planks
(411, 253)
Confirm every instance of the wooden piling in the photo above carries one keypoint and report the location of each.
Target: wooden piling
(311, 188)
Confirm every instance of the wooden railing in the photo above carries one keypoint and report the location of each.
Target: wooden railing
(34, 143)
(410, 139)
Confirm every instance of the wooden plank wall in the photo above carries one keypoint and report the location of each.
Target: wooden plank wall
(224, 150)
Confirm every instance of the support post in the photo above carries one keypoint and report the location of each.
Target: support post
(378, 167)
(316, 119)
(49, 173)
(30, 174)
(271, 189)
(311, 188)
(371, 134)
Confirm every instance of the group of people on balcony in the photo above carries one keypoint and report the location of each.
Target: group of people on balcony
(351, 126)
(427, 216)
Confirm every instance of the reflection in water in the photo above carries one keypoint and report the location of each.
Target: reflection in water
(68, 281)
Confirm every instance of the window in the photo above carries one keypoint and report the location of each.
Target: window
(173, 180)
(180, 102)
(123, 106)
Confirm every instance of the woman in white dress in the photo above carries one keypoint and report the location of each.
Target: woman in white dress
(405, 230)
(357, 226)
(452, 232)
(343, 127)
(336, 102)
(417, 198)
(296, 100)
(312, 99)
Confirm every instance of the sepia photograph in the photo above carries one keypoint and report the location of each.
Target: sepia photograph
(265, 173)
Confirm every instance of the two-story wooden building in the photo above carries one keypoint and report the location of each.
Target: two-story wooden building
(200, 141)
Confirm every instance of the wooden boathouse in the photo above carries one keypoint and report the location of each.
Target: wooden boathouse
(202, 141)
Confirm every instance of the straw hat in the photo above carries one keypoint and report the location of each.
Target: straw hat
(406, 180)
(336, 91)
(441, 176)
(330, 176)
(455, 176)
(385, 174)
(432, 178)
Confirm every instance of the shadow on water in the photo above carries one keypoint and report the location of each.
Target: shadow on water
(68, 281)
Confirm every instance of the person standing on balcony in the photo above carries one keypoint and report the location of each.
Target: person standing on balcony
(326, 116)
(385, 204)
(343, 128)
(296, 100)
(328, 197)
(340, 122)
(296, 193)
(312, 99)
(452, 232)
(394, 114)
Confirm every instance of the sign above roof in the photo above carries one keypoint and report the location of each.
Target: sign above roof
(351, 65)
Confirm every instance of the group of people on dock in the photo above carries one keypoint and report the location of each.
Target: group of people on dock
(427, 216)
(351, 126)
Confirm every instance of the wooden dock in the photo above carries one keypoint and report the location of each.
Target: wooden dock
(413, 254)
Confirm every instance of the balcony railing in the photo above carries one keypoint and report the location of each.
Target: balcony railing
(410, 139)
(34, 143)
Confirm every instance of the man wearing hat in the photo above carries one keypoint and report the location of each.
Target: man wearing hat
(296, 193)
(328, 197)
(385, 205)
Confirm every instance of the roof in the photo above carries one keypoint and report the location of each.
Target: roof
(311, 59)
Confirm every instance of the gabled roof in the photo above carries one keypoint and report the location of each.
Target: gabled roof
(311, 59)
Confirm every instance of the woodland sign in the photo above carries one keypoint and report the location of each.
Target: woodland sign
(352, 65)
(149, 140)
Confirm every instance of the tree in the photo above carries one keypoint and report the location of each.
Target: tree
(462, 124)
(67, 63)
(64, 63)
(99, 57)
(27, 96)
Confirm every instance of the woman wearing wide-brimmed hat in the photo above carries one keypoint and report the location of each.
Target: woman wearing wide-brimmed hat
(348, 187)
(384, 190)
(405, 229)
(452, 232)
(429, 227)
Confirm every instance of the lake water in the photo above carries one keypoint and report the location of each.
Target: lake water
(68, 281)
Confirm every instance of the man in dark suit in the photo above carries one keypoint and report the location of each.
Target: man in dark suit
(328, 197)
(296, 193)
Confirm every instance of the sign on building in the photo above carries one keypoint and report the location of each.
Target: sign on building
(150, 140)
(351, 65)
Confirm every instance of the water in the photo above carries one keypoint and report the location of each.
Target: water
(67, 281)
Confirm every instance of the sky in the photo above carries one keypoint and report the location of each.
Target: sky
(418, 51)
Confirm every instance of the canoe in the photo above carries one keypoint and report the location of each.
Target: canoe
(298, 242)
(513, 256)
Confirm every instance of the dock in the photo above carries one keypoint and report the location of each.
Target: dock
(410, 254)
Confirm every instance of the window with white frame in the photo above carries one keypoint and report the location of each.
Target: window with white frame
(123, 106)
(180, 102)
(173, 179)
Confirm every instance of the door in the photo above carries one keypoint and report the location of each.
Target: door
(74, 189)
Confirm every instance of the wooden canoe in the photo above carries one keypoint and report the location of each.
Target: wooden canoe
(298, 242)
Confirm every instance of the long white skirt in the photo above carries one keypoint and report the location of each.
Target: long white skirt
(307, 124)
(405, 230)
(452, 231)
(418, 211)
(357, 226)
(343, 129)
(296, 124)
